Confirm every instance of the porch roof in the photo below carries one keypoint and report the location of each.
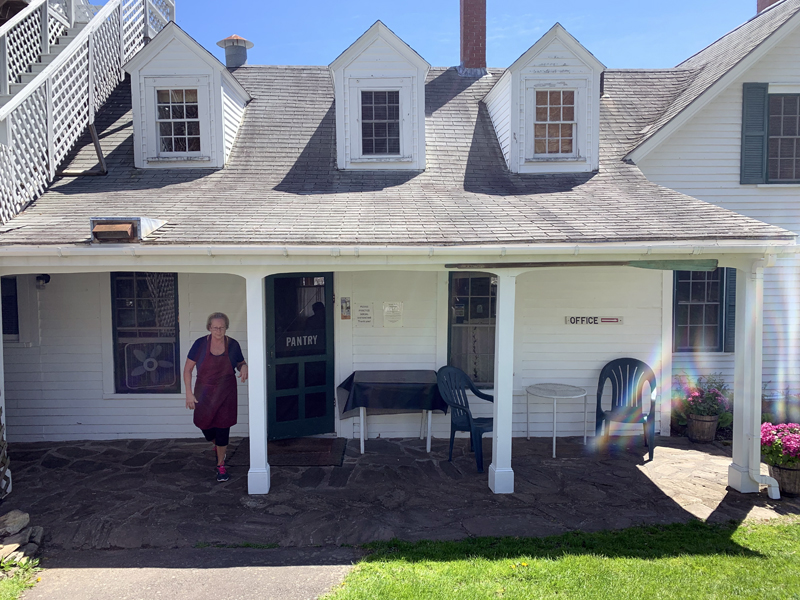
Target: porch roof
(281, 185)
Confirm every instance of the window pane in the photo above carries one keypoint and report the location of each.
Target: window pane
(176, 96)
(191, 111)
(194, 144)
(191, 95)
(145, 324)
(10, 306)
(784, 134)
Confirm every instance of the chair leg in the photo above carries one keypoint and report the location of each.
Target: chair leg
(652, 438)
(479, 452)
(471, 442)
(644, 427)
(452, 437)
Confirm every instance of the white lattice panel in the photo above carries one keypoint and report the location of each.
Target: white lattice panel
(160, 14)
(70, 89)
(133, 27)
(29, 174)
(107, 67)
(56, 29)
(24, 45)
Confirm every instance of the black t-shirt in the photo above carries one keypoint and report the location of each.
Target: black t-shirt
(198, 351)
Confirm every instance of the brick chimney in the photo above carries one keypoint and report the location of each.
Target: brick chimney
(765, 4)
(473, 38)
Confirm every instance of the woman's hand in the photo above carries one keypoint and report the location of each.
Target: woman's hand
(243, 372)
(191, 401)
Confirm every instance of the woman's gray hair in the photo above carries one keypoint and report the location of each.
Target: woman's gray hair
(218, 315)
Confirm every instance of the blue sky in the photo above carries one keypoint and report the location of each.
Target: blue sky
(621, 33)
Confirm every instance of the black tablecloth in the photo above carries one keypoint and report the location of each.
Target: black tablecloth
(390, 391)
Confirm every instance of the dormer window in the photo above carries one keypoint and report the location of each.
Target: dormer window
(379, 86)
(380, 122)
(178, 121)
(554, 126)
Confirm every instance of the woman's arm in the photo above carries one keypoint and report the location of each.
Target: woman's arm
(191, 401)
(242, 366)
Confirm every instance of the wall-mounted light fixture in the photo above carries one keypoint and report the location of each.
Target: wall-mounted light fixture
(42, 281)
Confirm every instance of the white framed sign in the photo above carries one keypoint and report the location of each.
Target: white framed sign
(364, 315)
(592, 320)
(392, 314)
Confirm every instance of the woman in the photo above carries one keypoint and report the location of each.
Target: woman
(214, 398)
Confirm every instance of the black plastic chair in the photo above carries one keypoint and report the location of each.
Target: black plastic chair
(453, 386)
(628, 376)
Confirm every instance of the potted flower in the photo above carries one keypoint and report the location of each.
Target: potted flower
(780, 449)
(705, 405)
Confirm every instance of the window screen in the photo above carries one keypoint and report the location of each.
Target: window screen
(380, 122)
(10, 306)
(473, 312)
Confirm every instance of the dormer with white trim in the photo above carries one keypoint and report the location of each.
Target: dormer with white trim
(379, 85)
(546, 107)
(187, 107)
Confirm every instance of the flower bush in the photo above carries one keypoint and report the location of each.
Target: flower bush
(780, 444)
(707, 395)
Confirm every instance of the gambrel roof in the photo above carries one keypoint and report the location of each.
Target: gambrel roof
(281, 185)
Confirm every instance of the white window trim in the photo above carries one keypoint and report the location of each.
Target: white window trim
(202, 84)
(577, 84)
(380, 84)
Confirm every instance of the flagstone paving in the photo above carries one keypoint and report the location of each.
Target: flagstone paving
(162, 493)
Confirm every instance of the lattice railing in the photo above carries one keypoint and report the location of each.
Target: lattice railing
(39, 125)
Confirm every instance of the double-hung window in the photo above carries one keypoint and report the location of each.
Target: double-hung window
(10, 309)
(554, 125)
(770, 134)
(704, 311)
(473, 316)
(145, 322)
(380, 122)
(178, 121)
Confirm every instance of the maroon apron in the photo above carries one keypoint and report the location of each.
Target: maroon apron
(215, 391)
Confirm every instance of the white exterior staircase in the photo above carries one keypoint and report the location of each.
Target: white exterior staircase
(59, 62)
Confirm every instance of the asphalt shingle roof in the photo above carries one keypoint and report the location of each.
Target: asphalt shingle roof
(281, 185)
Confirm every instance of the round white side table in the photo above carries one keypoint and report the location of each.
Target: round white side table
(556, 391)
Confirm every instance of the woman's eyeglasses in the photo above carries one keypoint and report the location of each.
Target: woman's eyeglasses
(218, 328)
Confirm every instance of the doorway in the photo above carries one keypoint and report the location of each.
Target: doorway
(300, 393)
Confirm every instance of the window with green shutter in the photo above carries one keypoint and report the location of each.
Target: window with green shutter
(704, 311)
(770, 136)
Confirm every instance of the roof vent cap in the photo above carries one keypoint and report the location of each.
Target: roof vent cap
(236, 48)
(122, 229)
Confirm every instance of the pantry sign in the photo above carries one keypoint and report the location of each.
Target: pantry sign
(588, 320)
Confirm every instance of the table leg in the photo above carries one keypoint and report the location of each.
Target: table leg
(363, 422)
(422, 425)
(554, 427)
(430, 418)
(528, 415)
(585, 414)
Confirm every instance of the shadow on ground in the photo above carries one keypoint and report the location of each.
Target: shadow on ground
(98, 495)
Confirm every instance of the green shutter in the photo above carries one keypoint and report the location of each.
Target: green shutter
(729, 334)
(754, 132)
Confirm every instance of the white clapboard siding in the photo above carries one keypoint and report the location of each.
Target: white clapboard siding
(54, 389)
(232, 112)
(498, 103)
(702, 159)
(546, 349)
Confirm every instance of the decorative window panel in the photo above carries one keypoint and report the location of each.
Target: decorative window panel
(554, 123)
(178, 121)
(783, 146)
(380, 122)
(145, 320)
(473, 312)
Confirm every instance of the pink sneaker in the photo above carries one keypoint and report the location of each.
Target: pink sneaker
(222, 473)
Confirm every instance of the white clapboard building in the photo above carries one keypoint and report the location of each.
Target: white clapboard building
(528, 224)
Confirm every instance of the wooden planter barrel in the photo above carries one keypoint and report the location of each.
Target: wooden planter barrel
(788, 480)
(702, 428)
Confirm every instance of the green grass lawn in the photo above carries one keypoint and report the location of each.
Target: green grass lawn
(23, 578)
(686, 561)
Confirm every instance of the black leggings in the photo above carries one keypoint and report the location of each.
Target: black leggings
(218, 435)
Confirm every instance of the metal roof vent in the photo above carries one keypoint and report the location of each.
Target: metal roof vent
(122, 229)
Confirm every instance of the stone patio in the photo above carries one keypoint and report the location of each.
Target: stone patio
(162, 493)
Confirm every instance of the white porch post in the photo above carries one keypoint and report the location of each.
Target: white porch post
(744, 472)
(4, 418)
(501, 477)
(258, 476)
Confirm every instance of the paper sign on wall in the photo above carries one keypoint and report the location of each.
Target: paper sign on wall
(364, 315)
(345, 309)
(392, 314)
